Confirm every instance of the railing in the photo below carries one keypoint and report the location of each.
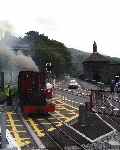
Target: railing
(71, 102)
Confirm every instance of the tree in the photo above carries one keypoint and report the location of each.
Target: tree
(46, 50)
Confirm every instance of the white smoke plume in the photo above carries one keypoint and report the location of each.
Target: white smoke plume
(24, 62)
(10, 60)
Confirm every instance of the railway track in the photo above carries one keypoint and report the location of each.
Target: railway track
(29, 134)
(21, 132)
(60, 135)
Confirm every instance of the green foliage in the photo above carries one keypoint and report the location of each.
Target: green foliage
(47, 50)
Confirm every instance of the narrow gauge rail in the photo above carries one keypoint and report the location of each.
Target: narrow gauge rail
(71, 132)
(22, 132)
(61, 135)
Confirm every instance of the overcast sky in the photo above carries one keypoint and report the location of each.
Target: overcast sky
(76, 23)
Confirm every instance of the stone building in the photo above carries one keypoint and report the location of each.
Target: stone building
(100, 68)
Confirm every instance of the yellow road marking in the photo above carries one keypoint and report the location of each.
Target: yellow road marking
(61, 108)
(14, 120)
(20, 131)
(58, 113)
(12, 112)
(51, 129)
(17, 125)
(59, 124)
(68, 111)
(26, 139)
(40, 119)
(67, 119)
(67, 105)
(59, 104)
(45, 123)
(36, 129)
(56, 122)
(20, 141)
(71, 118)
(60, 117)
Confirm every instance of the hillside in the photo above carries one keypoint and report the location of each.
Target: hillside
(79, 56)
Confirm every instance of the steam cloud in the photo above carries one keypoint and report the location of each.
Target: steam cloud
(24, 62)
(10, 60)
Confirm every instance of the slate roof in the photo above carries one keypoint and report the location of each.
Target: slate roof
(96, 57)
(95, 127)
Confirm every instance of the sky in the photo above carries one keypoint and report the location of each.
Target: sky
(76, 23)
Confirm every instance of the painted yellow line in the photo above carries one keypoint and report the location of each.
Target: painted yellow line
(41, 119)
(36, 128)
(61, 115)
(18, 139)
(39, 131)
(17, 125)
(67, 119)
(67, 105)
(72, 112)
(14, 120)
(12, 112)
(51, 129)
(68, 110)
(45, 123)
(56, 122)
(60, 108)
(26, 139)
(58, 103)
(20, 131)
(7, 120)
(59, 124)
(71, 118)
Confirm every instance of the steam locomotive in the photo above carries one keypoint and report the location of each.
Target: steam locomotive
(34, 95)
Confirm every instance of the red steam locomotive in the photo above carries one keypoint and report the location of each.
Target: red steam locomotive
(34, 95)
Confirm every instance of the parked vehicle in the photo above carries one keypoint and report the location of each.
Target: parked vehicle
(73, 84)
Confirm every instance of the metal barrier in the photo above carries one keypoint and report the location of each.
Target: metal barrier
(71, 102)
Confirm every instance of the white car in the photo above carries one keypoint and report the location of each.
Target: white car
(73, 84)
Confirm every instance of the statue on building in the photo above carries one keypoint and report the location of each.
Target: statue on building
(94, 47)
